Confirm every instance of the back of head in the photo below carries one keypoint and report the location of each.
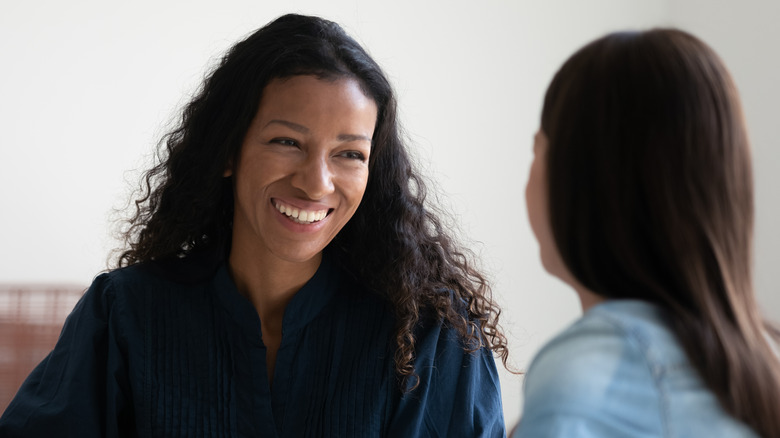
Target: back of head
(649, 167)
(651, 197)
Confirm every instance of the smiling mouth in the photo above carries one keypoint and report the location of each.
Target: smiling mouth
(303, 217)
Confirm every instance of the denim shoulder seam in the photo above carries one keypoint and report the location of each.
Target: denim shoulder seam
(640, 342)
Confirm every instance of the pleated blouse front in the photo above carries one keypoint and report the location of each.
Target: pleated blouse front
(144, 355)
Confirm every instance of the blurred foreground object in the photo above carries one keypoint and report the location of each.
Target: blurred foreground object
(31, 317)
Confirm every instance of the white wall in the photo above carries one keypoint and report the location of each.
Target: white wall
(86, 89)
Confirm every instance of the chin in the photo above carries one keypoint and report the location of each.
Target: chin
(554, 266)
(298, 256)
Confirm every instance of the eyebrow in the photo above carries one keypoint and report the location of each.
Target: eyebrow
(304, 130)
(354, 137)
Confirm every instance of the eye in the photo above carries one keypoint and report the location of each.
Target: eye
(353, 155)
(284, 141)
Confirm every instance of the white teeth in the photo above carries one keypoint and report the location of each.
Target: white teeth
(301, 216)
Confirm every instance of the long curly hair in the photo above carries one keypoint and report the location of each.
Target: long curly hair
(651, 197)
(395, 244)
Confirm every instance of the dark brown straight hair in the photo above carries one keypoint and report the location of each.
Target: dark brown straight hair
(651, 197)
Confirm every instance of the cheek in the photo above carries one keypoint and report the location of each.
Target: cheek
(355, 187)
(538, 216)
(355, 198)
(529, 200)
(535, 201)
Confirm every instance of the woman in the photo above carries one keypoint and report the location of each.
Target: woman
(641, 198)
(283, 276)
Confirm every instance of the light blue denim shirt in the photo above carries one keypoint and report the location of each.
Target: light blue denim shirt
(619, 372)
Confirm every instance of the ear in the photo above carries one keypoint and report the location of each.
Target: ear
(228, 169)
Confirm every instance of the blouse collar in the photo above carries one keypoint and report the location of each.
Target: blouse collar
(305, 305)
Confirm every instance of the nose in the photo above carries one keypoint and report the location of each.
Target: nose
(314, 177)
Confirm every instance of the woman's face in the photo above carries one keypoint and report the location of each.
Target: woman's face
(536, 195)
(303, 167)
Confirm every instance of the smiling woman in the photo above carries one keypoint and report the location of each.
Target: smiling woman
(283, 274)
(300, 176)
(305, 154)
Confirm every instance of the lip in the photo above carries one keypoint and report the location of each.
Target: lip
(301, 204)
(285, 221)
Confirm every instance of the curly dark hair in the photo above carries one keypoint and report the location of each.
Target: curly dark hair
(395, 244)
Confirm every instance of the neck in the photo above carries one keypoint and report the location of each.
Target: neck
(587, 298)
(270, 283)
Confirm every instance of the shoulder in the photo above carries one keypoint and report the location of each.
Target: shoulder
(129, 294)
(602, 367)
(571, 366)
(457, 390)
(440, 348)
(152, 277)
(614, 334)
(440, 345)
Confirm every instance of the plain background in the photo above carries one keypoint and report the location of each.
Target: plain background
(88, 87)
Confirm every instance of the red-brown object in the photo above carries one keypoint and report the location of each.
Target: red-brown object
(31, 317)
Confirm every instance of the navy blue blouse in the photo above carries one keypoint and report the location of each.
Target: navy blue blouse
(145, 355)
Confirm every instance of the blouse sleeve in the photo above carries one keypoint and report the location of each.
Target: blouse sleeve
(80, 389)
(458, 393)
